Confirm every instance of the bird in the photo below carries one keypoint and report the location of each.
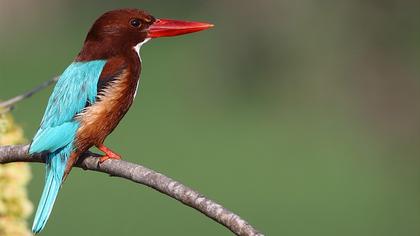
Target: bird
(94, 93)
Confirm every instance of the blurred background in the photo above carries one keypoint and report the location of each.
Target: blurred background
(301, 116)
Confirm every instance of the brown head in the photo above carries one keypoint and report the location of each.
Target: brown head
(123, 31)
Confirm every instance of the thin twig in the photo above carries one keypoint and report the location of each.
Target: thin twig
(13, 101)
(148, 177)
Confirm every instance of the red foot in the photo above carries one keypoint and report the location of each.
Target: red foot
(108, 154)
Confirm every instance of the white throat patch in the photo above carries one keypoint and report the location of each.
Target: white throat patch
(137, 49)
(138, 46)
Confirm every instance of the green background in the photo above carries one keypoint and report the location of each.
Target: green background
(301, 116)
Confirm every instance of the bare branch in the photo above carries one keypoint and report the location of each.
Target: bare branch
(135, 173)
(148, 177)
(13, 101)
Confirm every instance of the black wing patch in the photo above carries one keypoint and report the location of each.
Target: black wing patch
(107, 80)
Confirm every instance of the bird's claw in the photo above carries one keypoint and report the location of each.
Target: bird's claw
(106, 157)
(108, 154)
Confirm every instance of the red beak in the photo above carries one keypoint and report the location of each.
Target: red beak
(167, 28)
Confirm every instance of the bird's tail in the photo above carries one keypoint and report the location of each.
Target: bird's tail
(56, 164)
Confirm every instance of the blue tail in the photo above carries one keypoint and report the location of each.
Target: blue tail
(56, 164)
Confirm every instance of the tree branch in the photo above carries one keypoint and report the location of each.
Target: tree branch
(148, 177)
(136, 173)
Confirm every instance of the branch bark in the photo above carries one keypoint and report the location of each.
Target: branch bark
(142, 175)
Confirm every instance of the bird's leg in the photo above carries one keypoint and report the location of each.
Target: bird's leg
(108, 154)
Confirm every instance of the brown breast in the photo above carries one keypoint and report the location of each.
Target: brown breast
(99, 120)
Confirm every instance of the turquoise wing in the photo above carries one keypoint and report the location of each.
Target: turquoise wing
(76, 88)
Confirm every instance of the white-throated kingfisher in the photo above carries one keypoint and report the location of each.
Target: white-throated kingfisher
(94, 93)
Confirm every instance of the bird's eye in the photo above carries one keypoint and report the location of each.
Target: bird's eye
(135, 23)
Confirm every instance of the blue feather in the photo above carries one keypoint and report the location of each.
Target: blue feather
(53, 138)
(76, 87)
(53, 177)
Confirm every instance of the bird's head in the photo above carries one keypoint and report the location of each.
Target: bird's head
(124, 29)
